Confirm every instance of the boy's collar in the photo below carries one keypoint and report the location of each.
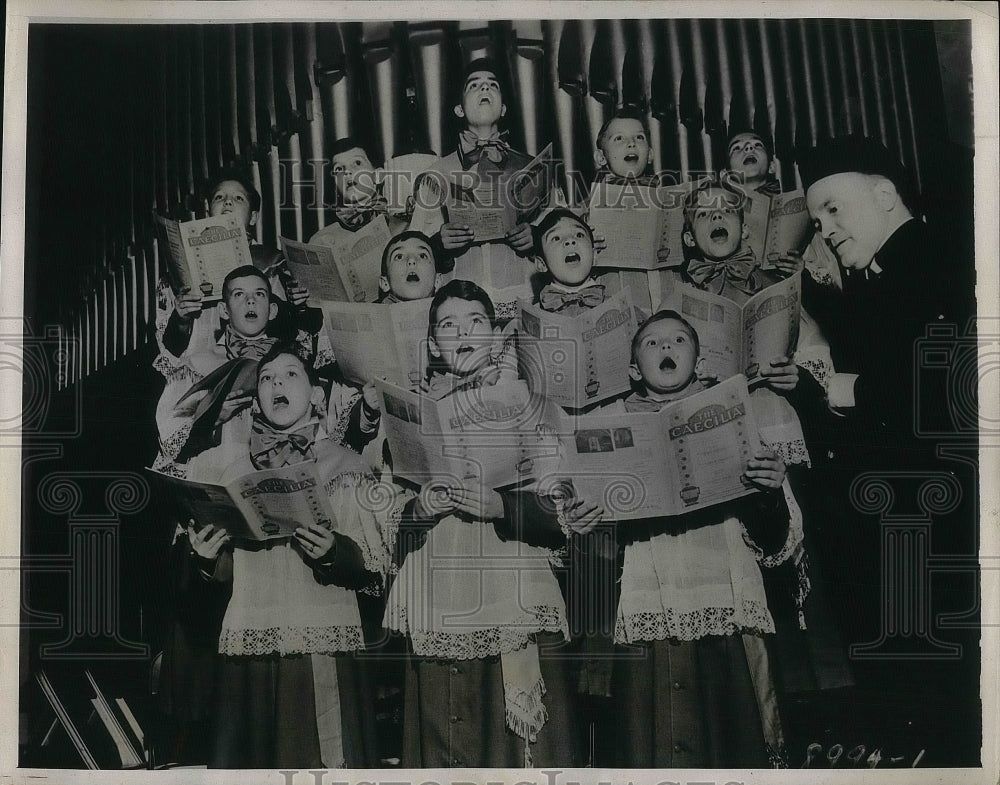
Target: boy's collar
(653, 403)
(237, 345)
(607, 177)
(561, 287)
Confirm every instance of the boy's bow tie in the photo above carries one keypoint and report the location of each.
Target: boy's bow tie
(473, 148)
(270, 448)
(355, 216)
(554, 300)
(252, 348)
(737, 270)
(615, 179)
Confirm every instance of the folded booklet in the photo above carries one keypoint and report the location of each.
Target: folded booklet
(777, 225)
(500, 435)
(576, 361)
(493, 209)
(742, 338)
(262, 505)
(691, 454)
(201, 253)
(642, 225)
(379, 340)
(347, 272)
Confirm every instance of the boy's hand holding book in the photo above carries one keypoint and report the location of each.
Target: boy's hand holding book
(766, 470)
(187, 304)
(206, 544)
(297, 294)
(781, 375)
(788, 263)
(520, 239)
(581, 516)
(455, 236)
(316, 541)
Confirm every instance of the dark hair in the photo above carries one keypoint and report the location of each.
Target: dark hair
(246, 271)
(662, 316)
(296, 351)
(691, 200)
(481, 64)
(409, 234)
(347, 143)
(460, 290)
(238, 175)
(624, 113)
(552, 218)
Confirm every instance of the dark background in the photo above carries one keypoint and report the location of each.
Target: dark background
(123, 120)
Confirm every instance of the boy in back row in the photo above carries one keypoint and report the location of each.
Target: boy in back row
(501, 266)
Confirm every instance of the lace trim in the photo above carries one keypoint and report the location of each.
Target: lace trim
(171, 445)
(290, 640)
(818, 369)
(820, 276)
(692, 625)
(165, 465)
(173, 370)
(558, 557)
(803, 585)
(793, 542)
(479, 643)
(374, 499)
(793, 451)
(524, 712)
(324, 356)
(506, 310)
(338, 427)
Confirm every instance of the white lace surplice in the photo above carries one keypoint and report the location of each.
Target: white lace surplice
(278, 606)
(465, 593)
(685, 586)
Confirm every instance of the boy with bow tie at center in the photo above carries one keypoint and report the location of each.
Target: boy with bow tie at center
(484, 154)
(566, 245)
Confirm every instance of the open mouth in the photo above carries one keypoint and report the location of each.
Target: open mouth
(631, 158)
(750, 159)
(572, 258)
(719, 235)
(250, 315)
(412, 278)
(668, 364)
(279, 400)
(466, 349)
(485, 100)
